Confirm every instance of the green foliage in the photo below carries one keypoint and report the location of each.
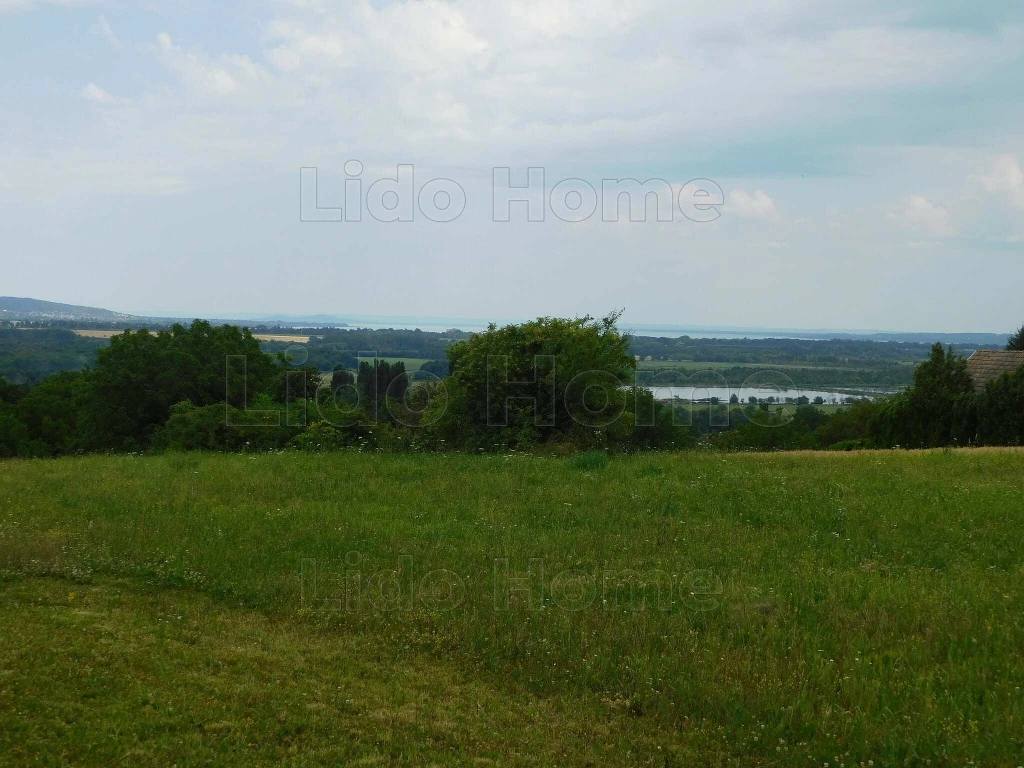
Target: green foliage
(221, 427)
(52, 412)
(849, 424)
(850, 445)
(321, 436)
(547, 381)
(10, 393)
(784, 430)
(380, 381)
(590, 461)
(13, 432)
(998, 412)
(563, 385)
(28, 356)
(658, 426)
(141, 375)
(437, 368)
(341, 378)
(1016, 341)
(331, 347)
(928, 414)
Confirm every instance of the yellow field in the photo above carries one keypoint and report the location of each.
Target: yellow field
(281, 337)
(98, 334)
(258, 336)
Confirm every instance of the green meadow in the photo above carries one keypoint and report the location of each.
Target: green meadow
(687, 609)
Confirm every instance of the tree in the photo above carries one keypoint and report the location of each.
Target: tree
(53, 410)
(438, 368)
(341, 378)
(848, 424)
(141, 375)
(998, 413)
(13, 432)
(549, 380)
(380, 381)
(1016, 341)
(775, 432)
(10, 393)
(930, 413)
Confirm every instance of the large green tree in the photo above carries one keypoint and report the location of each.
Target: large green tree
(549, 380)
(141, 375)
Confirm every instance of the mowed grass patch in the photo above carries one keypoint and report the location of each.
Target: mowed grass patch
(113, 673)
(741, 609)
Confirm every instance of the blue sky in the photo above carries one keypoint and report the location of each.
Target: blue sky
(870, 158)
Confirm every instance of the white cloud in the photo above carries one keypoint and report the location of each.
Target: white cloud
(752, 206)
(1005, 180)
(920, 214)
(103, 29)
(97, 95)
(227, 75)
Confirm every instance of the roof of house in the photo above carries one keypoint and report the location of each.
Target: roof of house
(986, 365)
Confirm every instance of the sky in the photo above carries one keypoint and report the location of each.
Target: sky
(866, 161)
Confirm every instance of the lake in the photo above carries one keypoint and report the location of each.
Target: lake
(694, 394)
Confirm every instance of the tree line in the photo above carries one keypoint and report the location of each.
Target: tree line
(552, 383)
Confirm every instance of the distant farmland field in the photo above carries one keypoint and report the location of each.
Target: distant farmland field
(86, 334)
(260, 336)
(281, 337)
(693, 609)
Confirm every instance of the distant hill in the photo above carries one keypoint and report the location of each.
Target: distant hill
(978, 339)
(14, 308)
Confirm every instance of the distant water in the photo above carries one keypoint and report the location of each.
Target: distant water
(712, 333)
(476, 326)
(472, 326)
(723, 394)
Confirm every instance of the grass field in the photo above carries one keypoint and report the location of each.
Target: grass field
(661, 610)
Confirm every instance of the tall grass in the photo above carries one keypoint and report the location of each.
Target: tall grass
(862, 606)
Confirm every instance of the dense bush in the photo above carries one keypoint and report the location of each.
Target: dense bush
(781, 431)
(998, 411)
(222, 427)
(931, 413)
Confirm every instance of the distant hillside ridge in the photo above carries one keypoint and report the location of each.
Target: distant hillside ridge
(16, 308)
